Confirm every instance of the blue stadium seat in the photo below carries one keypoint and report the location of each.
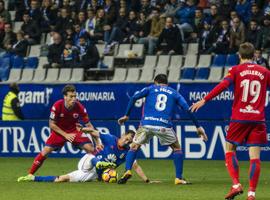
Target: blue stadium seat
(188, 73)
(31, 62)
(18, 62)
(202, 73)
(232, 59)
(219, 60)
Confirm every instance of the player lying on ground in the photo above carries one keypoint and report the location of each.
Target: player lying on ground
(115, 151)
(160, 103)
(247, 123)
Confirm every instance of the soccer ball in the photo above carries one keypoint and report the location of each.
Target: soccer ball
(110, 176)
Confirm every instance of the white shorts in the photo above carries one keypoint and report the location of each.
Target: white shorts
(166, 136)
(86, 171)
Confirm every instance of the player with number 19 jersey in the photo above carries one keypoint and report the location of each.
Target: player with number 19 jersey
(250, 83)
(159, 105)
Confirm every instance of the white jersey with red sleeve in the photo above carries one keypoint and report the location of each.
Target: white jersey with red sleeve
(66, 119)
(250, 86)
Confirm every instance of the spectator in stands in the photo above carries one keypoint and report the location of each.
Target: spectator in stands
(237, 35)
(264, 38)
(110, 14)
(221, 39)
(214, 18)
(3, 12)
(30, 29)
(243, 9)
(118, 32)
(81, 19)
(146, 7)
(252, 34)
(20, 47)
(170, 8)
(78, 32)
(35, 12)
(49, 16)
(133, 27)
(157, 25)
(55, 51)
(144, 25)
(11, 110)
(88, 54)
(90, 22)
(70, 55)
(233, 14)
(172, 38)
(205, 39)
(99, 24)
(7, 38)
(259, 59)
(185, 15)
(64, 21)
(21, 6)
(256, 14)
(198, 24)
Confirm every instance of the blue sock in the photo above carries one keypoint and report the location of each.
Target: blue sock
(45, 178)
(131, 156)
(94, 161)
(178, 163)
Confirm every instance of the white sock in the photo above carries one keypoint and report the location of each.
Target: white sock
(250, 193)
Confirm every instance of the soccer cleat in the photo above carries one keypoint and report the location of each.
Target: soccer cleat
(235, 190)
(179, 181)
(27, 178)
(251, 195)
(105, 165)
(127, 175)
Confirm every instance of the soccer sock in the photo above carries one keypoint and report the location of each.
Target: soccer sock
(94, 161)
(37, 163)
(45, 178)
(232, 166)
(254, 174)
(178, 163)
(131, 156)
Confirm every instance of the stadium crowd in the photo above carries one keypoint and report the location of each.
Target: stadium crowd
(75, 26)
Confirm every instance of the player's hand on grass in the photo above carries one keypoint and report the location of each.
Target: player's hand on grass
(123, 119)
(201, 133)
(70, 137)
(196, 106)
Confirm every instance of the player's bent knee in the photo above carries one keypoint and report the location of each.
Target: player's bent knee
(88, 148)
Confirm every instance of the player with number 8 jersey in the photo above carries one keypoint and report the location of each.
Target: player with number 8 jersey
(247, 125)
(160, 103)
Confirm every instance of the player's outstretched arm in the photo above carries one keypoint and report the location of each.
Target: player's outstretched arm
(196, 106)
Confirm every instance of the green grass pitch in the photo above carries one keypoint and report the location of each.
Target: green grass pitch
(210, 182)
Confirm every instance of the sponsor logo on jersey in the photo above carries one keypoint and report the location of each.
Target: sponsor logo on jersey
(249, 109)
(75, 115)
(62, 115)
(52, 115)
(122, 156)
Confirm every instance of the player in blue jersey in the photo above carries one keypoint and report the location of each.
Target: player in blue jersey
(115, 151)
(160, 102)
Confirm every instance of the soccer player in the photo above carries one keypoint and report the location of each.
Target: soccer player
(115, 151)
(64, 116)
(160, 102)
(247, 123)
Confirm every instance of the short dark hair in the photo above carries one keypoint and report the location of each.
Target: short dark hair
(130, 132)
(246, 50)
(161, 78)
(68, 88)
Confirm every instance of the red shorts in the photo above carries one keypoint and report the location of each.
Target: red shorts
(252, 134)
(57, 141)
